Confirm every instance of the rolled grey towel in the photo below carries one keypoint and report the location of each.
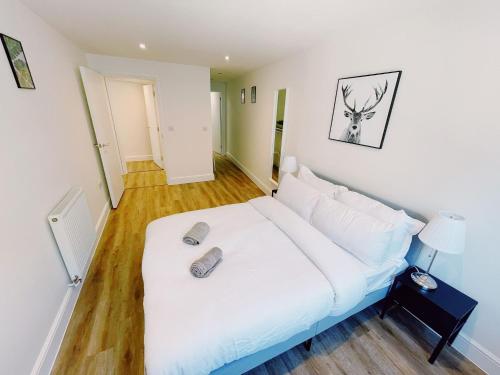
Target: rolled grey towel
(205, 265)
(196, 234)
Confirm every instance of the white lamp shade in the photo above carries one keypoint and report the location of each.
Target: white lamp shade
(289, 164)
(445, 232)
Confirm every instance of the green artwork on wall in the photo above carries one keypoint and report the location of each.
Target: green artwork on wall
(18, 63)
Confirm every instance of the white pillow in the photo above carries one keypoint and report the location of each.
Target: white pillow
(325, 187)
(406, 225)
(366, 237)
(297, 195)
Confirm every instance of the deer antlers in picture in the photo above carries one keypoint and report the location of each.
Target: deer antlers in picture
(353, 131)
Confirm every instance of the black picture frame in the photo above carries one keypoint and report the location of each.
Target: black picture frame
(21, 72)
(392, 99)
(253, 94)
(242, 96)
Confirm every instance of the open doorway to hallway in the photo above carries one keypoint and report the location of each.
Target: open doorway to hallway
(218, 117)
(137, 129)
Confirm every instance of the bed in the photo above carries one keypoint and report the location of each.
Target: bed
(281, 282)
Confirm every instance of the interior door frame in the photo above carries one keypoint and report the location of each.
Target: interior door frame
(143, 80)
(221, 88)
(221, 123)
(157, 123)
(283, 132)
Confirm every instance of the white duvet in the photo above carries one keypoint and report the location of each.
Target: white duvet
(278, 277)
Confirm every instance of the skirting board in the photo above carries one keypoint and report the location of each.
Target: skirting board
(189, 179)
(475, 352)
(50, 349)
(138, 157)
(263, 186)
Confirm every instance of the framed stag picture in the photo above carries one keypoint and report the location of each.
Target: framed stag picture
(362, 108)
(18, 63)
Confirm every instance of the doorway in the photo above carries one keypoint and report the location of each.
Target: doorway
(136, 123)
(216, 118)
(278, 133)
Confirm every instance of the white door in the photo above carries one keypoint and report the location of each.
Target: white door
(215, 100)
(100, 112)
(153, 126)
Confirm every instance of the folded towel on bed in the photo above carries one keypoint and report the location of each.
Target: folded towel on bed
(196, 234)
(205, 265)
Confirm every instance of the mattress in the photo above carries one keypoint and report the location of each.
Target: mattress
(278, 277)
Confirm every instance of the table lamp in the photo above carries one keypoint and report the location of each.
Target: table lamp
(445, 232)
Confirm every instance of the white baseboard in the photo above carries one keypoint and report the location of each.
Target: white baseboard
(138, 157)
(189, 179)
(48, 354)
(263, 186)
(482, 357)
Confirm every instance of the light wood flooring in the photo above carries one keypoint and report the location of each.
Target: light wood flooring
(143, 174)
(105, 334)
(142, 166)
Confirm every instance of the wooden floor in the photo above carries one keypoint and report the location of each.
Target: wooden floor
(105, 334)
(144, 173)
(365, 344)
(142, 166)
(144, 179)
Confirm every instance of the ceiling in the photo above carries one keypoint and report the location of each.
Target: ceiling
(200, 32)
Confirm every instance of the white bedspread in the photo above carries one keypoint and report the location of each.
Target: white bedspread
(265, 290)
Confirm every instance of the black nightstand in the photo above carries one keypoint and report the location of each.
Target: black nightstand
(444, 309)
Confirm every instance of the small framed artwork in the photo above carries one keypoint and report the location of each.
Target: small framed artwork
(18, 63)
(362, 108)
(253, 94)
(242, 96)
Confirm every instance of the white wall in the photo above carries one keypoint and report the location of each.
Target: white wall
(183, 95)
(129, 116)
(441, 150)
(46, 147)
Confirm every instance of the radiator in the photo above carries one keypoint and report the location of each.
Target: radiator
(74, 232)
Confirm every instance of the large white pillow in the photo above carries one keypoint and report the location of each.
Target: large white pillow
(406, 226)
(297, 195)
(325, 187)
(366, 237)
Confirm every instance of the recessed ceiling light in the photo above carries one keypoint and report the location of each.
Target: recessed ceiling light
(142, 46)
(226, 58)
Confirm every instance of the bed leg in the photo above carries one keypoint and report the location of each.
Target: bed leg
(308, 344)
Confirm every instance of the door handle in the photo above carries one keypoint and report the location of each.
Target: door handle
(101, 145)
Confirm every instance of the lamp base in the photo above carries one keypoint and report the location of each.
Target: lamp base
(424, 280)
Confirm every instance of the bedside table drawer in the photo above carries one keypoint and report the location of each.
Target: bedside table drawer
(439, 320)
